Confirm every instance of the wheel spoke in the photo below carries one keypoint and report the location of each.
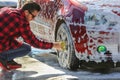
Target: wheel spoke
(64, 58)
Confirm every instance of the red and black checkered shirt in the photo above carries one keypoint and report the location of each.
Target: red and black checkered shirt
(13, 24)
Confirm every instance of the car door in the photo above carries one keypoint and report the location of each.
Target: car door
(41, 26)
(47, 18)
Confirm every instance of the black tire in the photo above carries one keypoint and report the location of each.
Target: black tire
(67, 59)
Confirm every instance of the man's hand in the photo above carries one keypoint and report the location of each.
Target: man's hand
(59, 46)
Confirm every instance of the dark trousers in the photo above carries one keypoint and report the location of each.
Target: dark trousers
(14, 53)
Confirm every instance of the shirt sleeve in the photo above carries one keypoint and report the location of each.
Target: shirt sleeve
(31, 39)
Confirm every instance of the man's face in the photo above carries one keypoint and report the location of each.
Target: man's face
(30, 15)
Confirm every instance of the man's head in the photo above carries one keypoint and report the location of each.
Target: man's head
(31, 10)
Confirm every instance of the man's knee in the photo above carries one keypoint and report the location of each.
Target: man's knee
(27, 47)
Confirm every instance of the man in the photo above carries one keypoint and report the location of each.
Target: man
(13, 24)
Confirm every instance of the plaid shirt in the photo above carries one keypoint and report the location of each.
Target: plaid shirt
(13, 24)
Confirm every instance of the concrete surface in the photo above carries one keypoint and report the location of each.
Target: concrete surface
(45, 67)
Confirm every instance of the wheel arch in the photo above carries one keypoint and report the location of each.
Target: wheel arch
(59, 21)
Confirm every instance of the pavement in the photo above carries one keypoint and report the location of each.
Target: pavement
(34, 69)
(44, 66)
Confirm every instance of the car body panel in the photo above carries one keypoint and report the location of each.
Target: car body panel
(97, 26)
(91, 23)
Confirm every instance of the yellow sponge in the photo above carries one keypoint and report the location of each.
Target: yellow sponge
(63, 45)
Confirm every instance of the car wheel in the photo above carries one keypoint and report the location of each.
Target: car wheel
(66, 58)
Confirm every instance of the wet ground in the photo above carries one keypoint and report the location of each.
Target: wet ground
(45, 67)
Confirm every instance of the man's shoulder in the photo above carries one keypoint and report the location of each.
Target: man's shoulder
(4, 10)
(9, 10)
(15, 11)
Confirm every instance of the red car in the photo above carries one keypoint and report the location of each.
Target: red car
(90, 28)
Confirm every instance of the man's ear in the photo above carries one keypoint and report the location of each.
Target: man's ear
(26, 12)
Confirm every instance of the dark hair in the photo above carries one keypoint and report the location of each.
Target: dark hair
(31, 6)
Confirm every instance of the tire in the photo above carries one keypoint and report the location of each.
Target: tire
(67, 58)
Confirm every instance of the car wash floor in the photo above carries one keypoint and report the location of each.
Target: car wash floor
(45, 67)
